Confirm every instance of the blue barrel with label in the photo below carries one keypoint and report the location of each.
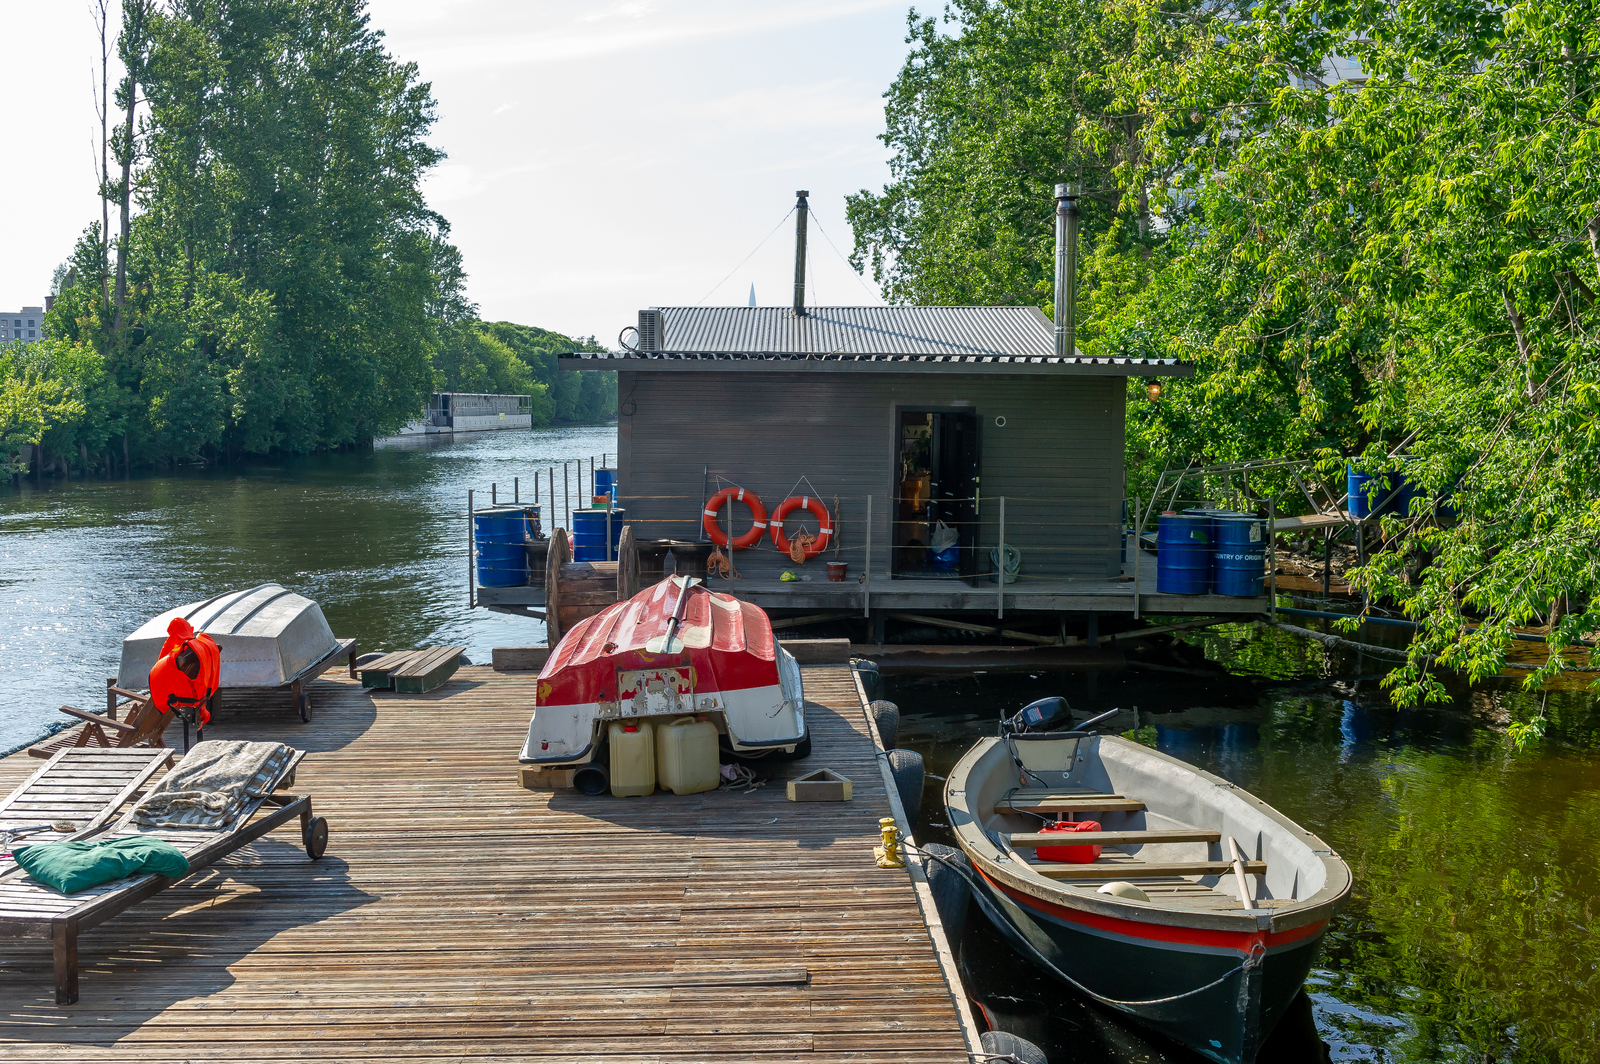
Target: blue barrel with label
(499, 534)
(1183, 554)
(605, 483)
(589, 535)
(1240, 554)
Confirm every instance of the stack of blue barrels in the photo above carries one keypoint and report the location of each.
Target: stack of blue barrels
(500, 533)
(1392, 495)
(589, 534)
(1220, 552)
(605, 483)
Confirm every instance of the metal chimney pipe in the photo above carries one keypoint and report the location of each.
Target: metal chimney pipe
(1066, 269)
(800, 209)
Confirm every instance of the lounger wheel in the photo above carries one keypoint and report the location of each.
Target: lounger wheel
(305, 707)
(315, 834)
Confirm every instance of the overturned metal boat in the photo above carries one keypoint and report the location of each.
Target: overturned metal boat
(674, 648)
(269, 637)
(1199, 914)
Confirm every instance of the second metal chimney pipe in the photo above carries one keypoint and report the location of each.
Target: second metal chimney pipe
(800, 210)
(1066, 269)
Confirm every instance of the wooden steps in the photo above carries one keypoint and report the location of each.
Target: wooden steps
(412, 672)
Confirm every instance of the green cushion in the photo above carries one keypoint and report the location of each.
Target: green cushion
(73, 866)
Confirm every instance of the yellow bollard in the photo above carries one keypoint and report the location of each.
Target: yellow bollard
(889, 854)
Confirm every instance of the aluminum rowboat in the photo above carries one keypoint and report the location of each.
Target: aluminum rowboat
(1221, 947)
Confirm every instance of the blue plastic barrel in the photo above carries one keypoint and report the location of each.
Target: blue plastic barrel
(589, 535)
(605, 483)
(499, 534)
(1381, 499)
(1240, 554)
(1183, 554)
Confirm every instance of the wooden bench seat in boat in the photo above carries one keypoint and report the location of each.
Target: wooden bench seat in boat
(1027, 841)
(1041, 800)
(1134, 870)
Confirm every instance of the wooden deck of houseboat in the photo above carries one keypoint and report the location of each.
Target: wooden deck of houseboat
(457, 915)
(1027, 594)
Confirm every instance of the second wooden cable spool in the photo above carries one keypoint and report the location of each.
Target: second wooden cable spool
(576, 590)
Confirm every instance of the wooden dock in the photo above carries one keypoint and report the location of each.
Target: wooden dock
(459, 916)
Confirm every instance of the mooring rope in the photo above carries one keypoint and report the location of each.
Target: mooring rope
(1015, 937)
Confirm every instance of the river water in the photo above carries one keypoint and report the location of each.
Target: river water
(1468, 937)
(378, 539)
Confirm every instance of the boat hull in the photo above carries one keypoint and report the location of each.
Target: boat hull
(1248, 980)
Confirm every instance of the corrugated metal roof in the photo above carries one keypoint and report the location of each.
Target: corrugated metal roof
(858, 331)
(997, 360)
(931, 335)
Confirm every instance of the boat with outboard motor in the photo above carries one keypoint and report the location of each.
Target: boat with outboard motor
(1191, 905)
(675, 648)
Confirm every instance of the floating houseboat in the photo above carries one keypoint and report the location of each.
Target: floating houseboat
(452, 412)
(923, 449)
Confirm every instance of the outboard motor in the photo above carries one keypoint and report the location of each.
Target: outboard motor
(1045, 715)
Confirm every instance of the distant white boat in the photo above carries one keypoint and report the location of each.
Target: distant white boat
(269, 636)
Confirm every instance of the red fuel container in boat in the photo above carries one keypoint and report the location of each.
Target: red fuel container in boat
(1070, 854)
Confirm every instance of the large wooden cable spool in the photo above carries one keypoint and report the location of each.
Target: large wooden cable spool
(578, 590)
(560, 553)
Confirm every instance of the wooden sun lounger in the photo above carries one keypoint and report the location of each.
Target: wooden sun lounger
(81, 785)
(30, 910)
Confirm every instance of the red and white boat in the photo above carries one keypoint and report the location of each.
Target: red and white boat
(673, 649)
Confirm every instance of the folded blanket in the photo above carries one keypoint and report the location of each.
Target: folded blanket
(73, 866)
(211, 784)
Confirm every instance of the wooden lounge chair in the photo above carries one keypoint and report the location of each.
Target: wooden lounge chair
(81, 785)
(29, 910)
(141, 724)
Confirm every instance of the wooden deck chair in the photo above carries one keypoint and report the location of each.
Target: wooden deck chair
(142, 724)
(83, 787)
(30, 910)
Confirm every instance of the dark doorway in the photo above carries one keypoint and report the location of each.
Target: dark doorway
(936, 495)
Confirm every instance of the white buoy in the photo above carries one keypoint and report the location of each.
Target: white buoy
(1123, 889)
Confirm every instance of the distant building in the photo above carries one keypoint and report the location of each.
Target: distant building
(25, 324)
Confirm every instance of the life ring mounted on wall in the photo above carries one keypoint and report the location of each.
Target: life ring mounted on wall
(802, 502)
(758, 513)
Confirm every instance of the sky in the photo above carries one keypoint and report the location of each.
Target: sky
(602, 156)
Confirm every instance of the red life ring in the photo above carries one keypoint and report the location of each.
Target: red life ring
(757, 511)
(802, 502)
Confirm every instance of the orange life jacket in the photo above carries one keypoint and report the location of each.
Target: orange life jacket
(188, 671)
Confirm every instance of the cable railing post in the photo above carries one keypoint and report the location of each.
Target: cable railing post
(866, 586)
(1272, 559)
(566, 490)
(516, 490)
(494, 496)
(472, 585)
(1138, 552)
(1000, 576)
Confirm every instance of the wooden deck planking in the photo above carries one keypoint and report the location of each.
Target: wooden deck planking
(457, 915)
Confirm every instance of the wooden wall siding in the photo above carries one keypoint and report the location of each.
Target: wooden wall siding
(1058, 459)
(457, 916)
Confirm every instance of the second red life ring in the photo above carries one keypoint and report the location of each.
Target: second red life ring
(757, 511)
(802, 502)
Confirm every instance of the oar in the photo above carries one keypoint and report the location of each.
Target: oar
(1246, 895)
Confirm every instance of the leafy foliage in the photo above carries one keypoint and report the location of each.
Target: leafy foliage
(1374, 230)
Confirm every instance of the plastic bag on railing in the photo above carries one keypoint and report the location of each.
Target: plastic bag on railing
(944, 549)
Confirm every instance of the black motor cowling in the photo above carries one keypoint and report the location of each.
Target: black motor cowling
(1045, 715)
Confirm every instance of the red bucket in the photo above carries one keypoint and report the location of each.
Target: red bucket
(1070, 854)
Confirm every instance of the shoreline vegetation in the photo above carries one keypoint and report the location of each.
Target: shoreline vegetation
(1373, 229)
(276, 282)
